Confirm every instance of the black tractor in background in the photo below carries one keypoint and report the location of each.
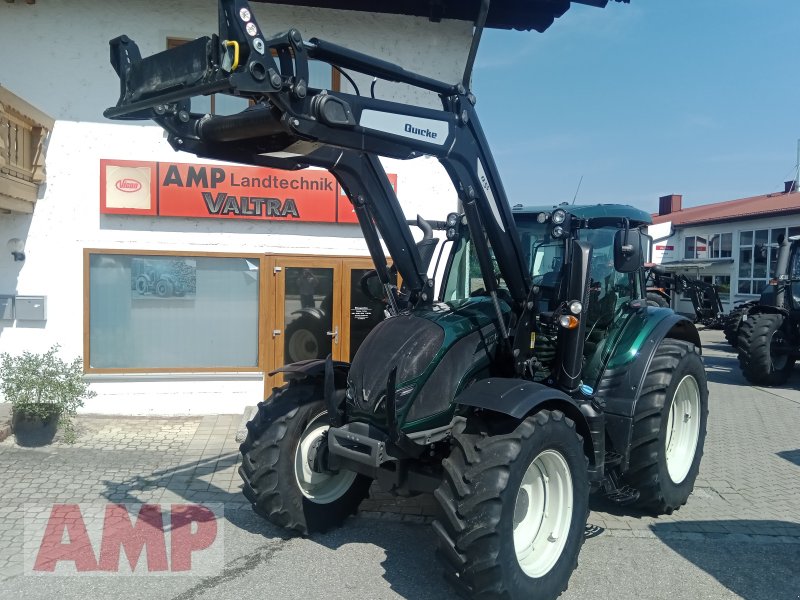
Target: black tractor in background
(769, 331)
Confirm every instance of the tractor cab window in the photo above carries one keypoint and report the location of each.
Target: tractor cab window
(609, 290)
(464, 278)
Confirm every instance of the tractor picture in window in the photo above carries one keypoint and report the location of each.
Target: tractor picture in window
(162, 285)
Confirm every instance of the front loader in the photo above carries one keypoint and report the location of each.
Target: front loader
(534, 375)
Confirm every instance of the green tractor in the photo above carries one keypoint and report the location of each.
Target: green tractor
(534, 374)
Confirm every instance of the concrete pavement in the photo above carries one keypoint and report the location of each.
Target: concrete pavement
(738, 537)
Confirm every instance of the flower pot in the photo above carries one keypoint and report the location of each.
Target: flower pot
(32, 431)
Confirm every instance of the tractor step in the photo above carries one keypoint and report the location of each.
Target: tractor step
(623, 495)
(612, 459)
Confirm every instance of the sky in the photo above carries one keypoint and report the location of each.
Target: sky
(692, 97)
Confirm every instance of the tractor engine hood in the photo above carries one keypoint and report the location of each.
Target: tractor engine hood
(434, 351)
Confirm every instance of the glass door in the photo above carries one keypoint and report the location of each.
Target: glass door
(362, 311)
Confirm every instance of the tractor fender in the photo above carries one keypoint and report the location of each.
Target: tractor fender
(518, 398)
(315, 313)
(620, 387)
(314, 369)
(760, 309)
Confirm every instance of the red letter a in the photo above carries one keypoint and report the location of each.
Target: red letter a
(78, 550)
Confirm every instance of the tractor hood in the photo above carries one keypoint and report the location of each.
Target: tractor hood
(434, 351)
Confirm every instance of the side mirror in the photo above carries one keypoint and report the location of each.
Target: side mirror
(371, 286)
(628, 253)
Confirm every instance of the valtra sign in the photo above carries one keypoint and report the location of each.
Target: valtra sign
(222, 192)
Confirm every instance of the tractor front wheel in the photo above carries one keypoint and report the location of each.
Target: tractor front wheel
(513, 509)
(669, 428)
(282, 479)
(763, 354)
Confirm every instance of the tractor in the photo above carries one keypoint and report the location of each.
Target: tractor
(706, 303)
(535, 374)
(769, 330)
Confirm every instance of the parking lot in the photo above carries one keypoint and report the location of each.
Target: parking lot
(738, 536)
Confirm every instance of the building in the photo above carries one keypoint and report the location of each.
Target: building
(183, 283)
(732, 244)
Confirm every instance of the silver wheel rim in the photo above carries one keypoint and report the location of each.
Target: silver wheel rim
(683, 429)
(543, 513)
(319, 488)
(303, 345)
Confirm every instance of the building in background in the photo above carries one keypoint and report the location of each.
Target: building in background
(732, 244)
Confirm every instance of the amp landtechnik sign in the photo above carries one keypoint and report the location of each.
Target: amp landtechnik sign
(222, 192)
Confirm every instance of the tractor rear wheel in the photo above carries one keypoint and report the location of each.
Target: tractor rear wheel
(731, 327)
(657, 300)
(762, 350)
(513, 509)
(669, 428)
(277, 459)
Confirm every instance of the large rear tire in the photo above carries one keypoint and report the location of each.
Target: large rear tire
(514, 509)
(732, 323)
(657, 300)
(278, 479)
(669, 428)
(759, 337)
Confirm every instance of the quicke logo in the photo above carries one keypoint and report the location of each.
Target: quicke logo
(423, 132)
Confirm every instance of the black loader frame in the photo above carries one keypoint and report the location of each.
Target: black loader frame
(704, 296)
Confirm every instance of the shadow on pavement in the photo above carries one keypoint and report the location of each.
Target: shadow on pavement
(752, 570)
(793, 456)
(410, 566)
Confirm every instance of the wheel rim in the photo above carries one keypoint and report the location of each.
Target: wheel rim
(777, 359)
(303, 345)
(683, 429)
(543, 513)
(320, 488)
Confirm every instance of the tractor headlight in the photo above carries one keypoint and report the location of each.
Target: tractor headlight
(575, 307)
(558, 231)
(559, 216)
(452, 220)
(568, 321)
(542, 217)
(452, 233)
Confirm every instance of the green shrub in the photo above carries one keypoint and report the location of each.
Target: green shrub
(40, 386)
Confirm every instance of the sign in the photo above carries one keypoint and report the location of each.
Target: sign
(222, 192)
(663, 247)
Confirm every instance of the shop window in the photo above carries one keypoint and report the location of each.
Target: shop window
(320, 75)
(172, 312)
(758, 257)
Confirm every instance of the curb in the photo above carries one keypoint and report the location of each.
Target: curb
(5, 431)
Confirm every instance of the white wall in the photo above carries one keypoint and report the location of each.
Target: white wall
(60, 53)
(67, 219)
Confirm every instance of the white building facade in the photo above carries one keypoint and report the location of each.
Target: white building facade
(186, 312)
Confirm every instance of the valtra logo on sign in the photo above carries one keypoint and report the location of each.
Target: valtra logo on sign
(223, 192)
(128, 185)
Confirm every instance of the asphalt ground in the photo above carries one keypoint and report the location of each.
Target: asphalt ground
(738, 536)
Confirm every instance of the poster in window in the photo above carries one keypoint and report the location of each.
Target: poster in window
(163, 278)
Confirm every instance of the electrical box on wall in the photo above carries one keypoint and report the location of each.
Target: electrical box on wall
(30, 308)
(6, 308)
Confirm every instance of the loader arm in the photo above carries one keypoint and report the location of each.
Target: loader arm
(293, 124)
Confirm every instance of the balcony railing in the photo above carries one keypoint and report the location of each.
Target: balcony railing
(23, 136)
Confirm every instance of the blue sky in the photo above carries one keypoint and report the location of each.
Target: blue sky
(692, 97)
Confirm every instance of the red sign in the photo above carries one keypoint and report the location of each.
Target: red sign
(223, 192)
(665, 247)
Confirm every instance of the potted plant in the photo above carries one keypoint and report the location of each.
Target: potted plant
(45, 392)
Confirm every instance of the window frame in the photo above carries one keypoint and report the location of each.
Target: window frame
(264, 314)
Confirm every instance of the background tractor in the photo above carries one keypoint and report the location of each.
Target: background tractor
(769, 330)
(535, 374)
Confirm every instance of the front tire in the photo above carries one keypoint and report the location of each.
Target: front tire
(761, 364)
(669, 428)
(514, 509)
(278, 480)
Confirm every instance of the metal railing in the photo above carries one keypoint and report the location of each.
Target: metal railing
(23, 134)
